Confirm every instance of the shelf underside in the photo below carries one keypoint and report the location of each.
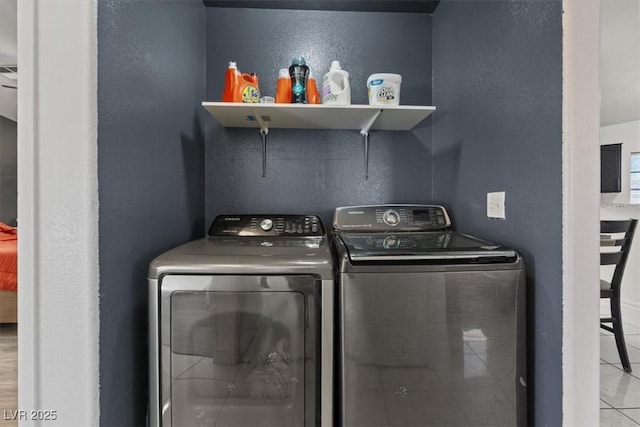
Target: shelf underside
(304, 116)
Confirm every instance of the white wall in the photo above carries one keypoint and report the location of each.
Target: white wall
(616, 206)
(580, 157)
(58, 308)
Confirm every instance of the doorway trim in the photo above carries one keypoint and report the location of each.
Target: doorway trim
(58, 310)
(580, 213)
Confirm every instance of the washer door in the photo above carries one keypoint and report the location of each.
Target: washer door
(239, 350)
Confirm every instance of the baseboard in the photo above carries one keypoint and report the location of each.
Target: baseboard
(630, 313)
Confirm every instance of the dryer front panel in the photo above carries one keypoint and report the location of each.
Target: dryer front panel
(239, 350)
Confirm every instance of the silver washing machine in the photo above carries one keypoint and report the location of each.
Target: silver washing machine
(241, 325)
(432, 325)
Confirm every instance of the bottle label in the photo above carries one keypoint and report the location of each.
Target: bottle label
(297, 89)
(327, 96)
(386, 94)
(250, 94)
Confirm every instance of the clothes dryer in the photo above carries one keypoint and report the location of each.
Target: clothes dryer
(241, 325)
(432, 322)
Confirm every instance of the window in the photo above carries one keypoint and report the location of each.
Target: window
(635, 179)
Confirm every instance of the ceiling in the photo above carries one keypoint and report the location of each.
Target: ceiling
(619, 61)
(619, 57)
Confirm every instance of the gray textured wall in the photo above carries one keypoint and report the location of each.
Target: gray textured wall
(8, 170)
(315, 171)
(498, 127)
(497, 87)
(151, 62)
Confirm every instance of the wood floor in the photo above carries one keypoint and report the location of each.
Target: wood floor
(8, 373)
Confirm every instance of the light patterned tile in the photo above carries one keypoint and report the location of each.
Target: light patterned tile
(615, 418)
(635, 368)
(634, 414)
(609, 351)
(618, 388)
(629, 328)
(632, 340)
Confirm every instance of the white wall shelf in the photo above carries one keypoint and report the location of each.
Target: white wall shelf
(317, 116)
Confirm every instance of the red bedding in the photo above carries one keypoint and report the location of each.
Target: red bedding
(8, 258)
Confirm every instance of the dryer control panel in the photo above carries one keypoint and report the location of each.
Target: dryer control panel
(391, 218)
(267, 225)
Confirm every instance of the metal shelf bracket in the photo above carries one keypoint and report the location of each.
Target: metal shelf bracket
(264, 131)
(365, 139)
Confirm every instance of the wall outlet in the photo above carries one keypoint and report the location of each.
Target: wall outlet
(495, 205)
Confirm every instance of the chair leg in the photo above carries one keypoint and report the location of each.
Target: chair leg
(618, 332)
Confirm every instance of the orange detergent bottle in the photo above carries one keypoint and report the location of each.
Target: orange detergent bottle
(230, 82)
(312, 90)
(240, 87)
(247, 90)
(283, 87)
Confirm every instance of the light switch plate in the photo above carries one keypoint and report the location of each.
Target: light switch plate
(495, 205)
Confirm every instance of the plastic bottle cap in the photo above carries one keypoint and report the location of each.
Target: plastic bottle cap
(299, 61)
(335, 65)
(283, 73)
(232, 64)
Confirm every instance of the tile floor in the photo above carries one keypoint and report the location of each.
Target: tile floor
(619, 391)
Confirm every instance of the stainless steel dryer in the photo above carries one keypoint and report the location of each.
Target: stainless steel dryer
(241, 325)
(432, 322)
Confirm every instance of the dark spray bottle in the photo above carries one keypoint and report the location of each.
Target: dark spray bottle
(299, 72)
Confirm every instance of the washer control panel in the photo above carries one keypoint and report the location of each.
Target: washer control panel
(267, 225)
(391, 217)
(413, 242)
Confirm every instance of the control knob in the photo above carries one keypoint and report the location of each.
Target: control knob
(391, 218)
(266, 224)
(391, 242)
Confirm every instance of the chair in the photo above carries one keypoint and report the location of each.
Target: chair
(611, 290)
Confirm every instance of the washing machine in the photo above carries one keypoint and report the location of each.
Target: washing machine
(432, 323)
(241, 325)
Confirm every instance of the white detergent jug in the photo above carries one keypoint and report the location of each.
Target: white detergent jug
(335, 86)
